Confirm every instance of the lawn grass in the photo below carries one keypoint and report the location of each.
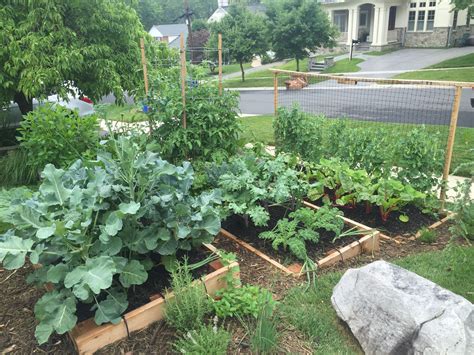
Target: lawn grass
(310, 310)
(465, 75)
(124, 113)
(345, 66)
(260, 129)
(379, 53)
(458, 62)
(230, 68)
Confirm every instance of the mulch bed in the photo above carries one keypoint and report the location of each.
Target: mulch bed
(236, 225)
(17, 322)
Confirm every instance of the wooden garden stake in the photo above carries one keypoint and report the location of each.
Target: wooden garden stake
(145, 71)
(219, 49)
(275, 93)
(183, 77)
(449, 148)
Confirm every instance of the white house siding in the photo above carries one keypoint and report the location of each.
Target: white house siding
(400, 32)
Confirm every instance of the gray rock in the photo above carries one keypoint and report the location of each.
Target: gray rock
(394, 311)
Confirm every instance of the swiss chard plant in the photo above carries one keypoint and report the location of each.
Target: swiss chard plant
(94, 228)
(392, 195)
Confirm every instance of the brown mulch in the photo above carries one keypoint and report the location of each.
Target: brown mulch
(17, 322)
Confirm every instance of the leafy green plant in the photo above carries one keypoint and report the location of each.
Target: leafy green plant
(190, 305)
(211, 129)
(94, 227)
(392, 195)
(263, 330)
(204, 340)
(57, 135)
(247, 300)
(463, 220)
(302, 226)
(427, 236)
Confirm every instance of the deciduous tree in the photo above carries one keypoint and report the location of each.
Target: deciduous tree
(56, 46)
(298, 26)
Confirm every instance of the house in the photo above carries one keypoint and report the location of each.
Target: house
(381, 24)
(170, 33)
(223, 5)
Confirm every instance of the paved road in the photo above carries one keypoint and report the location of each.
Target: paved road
(367, 102)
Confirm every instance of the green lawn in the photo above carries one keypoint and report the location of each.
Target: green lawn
(125, 113)
(230, 68)
(311, 311)
(260, 129)
(459, 62)
(466, 75)
(345, 66)
(379, 53)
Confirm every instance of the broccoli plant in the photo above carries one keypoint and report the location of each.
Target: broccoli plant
(94, 227)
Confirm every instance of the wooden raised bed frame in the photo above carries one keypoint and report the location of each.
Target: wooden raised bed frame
(366, 244)
(89, 337)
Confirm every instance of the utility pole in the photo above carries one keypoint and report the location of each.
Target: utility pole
(187, 15)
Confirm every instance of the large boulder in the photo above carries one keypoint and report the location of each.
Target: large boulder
(394, 311)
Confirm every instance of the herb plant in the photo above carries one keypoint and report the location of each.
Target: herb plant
(94, 227)
(204, 340)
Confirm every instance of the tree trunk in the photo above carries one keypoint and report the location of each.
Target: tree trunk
(242, 70)
(297, 64)
(24, 104)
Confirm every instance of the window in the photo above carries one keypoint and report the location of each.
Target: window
(420, 23)
(411, 20)
(413, 5)
(340, 20)
(422, 4)
(455, 19)
(432, 3)
(430, 20)
(392, 17)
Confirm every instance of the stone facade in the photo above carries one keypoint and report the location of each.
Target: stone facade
(437, 38)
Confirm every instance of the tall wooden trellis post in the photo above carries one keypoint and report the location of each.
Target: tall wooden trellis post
(183, 77)
(219, 49)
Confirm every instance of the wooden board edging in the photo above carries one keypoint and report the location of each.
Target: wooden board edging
(89, 337)
(437, 224)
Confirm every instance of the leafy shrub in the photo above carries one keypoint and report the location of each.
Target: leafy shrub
(57, 135)
(418, 157)
(190, 304)
(427, 236)
(104, 219)
(247, 300)
(463, 221)
(205, 340)
(212, 127)
(298, 133)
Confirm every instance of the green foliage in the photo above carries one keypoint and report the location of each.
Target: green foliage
(190, 305)
(249, 183)
(264, 335)
(247, 300)
(94, 227)
(427, 236)
(243, 34)
(212, 127)
(205, 340)
(68, 49)
(303, 226)
(463, 225)
(414, 157)
(298, 26)
(14, 171)
(391, 195)
(57, 135)
(418, 159)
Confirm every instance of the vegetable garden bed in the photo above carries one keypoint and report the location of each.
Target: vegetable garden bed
(89, 337)
(324, 254)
